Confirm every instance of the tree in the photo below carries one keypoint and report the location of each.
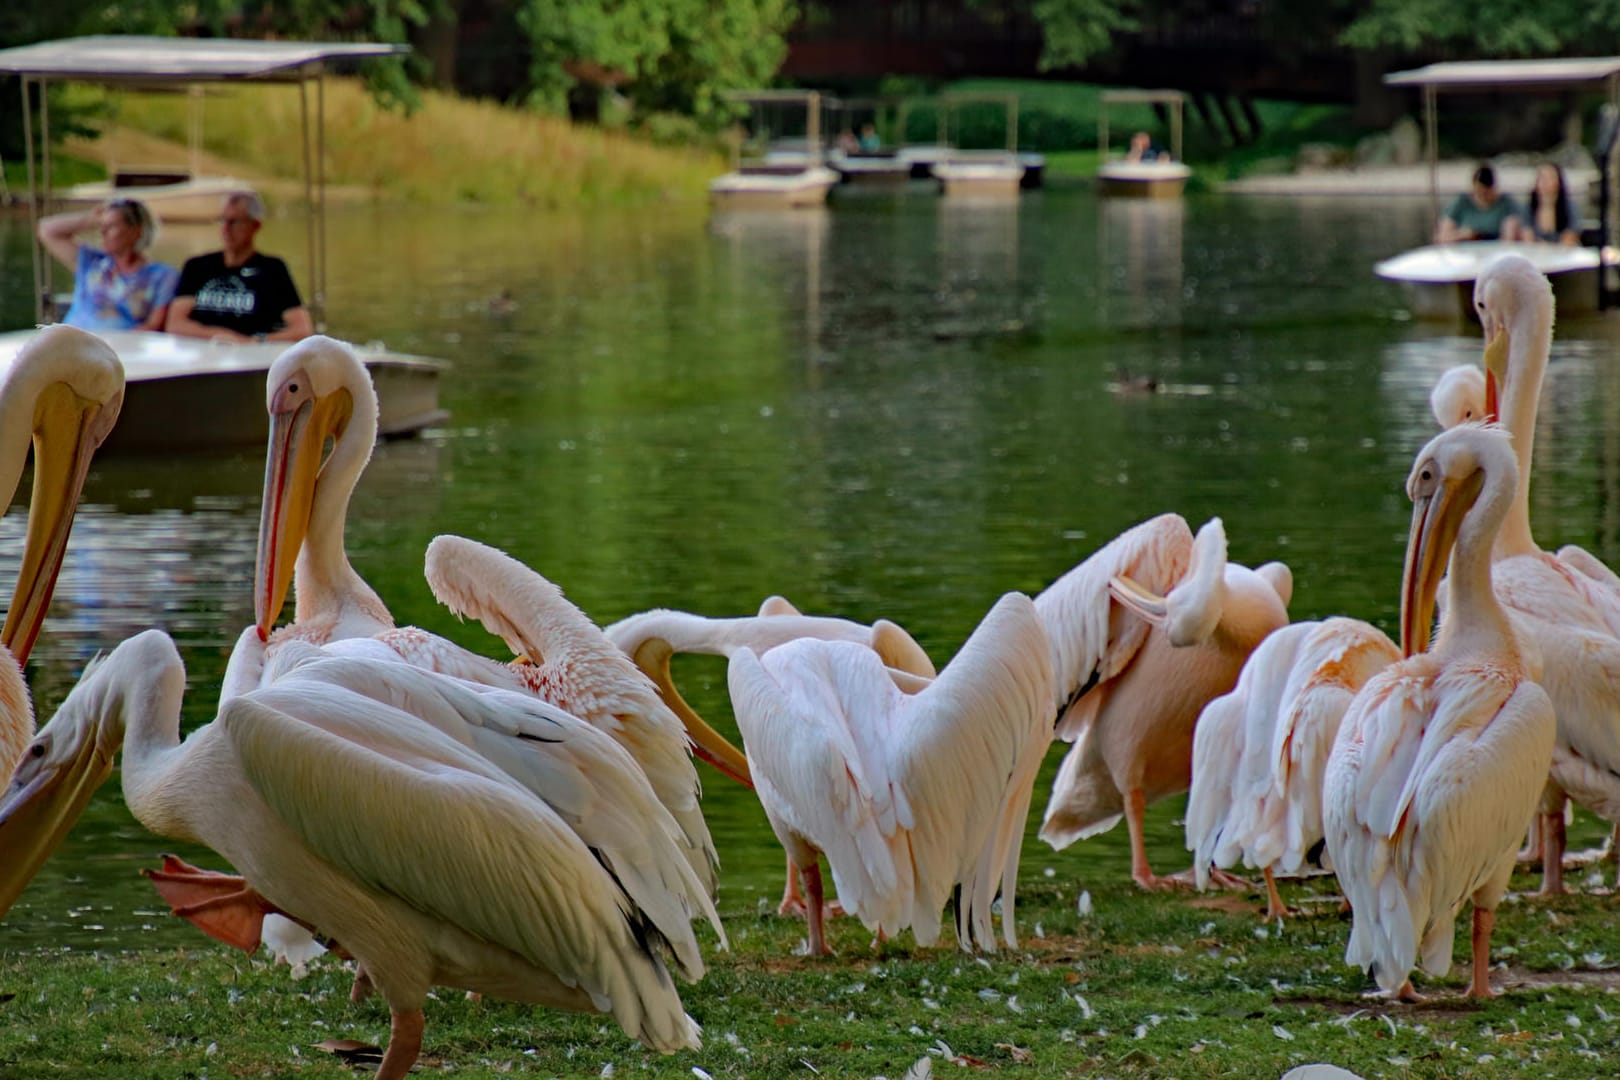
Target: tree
(673, 55)
(1488, 27)
(1075, 31)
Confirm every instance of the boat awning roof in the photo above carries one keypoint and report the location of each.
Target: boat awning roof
(1139, 97)
(1508, 74)
(112, 58)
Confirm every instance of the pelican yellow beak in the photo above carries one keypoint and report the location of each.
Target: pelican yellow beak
(1438, 507)
(42, 803)
(67, 430)
(652, 657)
(300, 426)
(1496, 360)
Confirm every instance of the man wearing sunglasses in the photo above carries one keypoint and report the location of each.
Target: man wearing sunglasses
(238, 293)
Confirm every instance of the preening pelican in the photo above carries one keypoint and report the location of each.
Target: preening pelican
(1441, 758)
(1259, 752)
(61, 395)
(318, 390)
(912, 796)
(1143, 634)
(1567, 606)
(360, 799)
(1459, 396)
(652, 638)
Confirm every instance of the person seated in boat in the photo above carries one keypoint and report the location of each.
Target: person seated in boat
(848, 143)
(238, 294)
(1143, 150)
(870, 143)
(1552, 217)
(1481, 213)
(115, 286)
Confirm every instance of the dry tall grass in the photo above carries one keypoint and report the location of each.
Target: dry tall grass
(450, 150)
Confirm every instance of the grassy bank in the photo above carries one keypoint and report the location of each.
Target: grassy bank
(1144, 986)
(451, 150)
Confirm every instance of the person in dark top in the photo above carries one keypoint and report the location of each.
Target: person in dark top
(1481, 213)
(238, 294)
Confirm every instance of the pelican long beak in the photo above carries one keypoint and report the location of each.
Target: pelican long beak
(67, 430)
(41, 805)
(1137, 598)
(1436, 518)
(1496, 361)
(652, 657)
(299, 429)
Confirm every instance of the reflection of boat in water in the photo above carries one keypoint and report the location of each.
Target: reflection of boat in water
(1439, 278)
(1140, 250)
(183, 393)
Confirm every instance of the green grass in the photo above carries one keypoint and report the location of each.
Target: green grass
(451, 150)
(1147, 986)
(66, 170)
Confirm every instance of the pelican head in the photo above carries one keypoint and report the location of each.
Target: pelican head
(1460, 486)
(1459, 396)
(1511, 297)
(316, 392)
(61, 395)
(72, 755)
(1190, 611)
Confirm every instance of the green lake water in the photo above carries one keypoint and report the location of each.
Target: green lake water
(897, 407)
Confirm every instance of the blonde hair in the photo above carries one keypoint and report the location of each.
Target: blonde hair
(136, 215)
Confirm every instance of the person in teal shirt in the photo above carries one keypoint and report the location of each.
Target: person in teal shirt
(1483, 213)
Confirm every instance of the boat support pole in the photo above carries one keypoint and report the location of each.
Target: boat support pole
(309, 197)
(33, 199)
(1431, 135)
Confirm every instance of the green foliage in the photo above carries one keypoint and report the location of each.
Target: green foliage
(1489, 27)
(674, 55)
(1077, 30)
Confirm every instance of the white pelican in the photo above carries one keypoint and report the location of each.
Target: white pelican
(912, 797)
(1441, 758)
(318, 390)
(652, 638)
(360, 800)
(1143, 634)
(1566, 605)
(1259, 752)
(61, 395)
(1459, 396)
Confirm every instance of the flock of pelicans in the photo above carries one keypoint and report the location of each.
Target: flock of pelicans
(532, 829)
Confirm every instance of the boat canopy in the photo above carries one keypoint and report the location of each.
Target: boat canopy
(1508, 74)
(111, 58)
(160, 62)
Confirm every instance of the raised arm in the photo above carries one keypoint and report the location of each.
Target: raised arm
(57, 231)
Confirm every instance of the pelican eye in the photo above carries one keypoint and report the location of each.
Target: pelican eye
(292, 388)
(37, 750)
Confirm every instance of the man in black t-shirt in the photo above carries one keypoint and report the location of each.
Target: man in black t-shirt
(237, 293)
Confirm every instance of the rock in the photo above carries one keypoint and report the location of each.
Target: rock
(1315, 157)
(1376, 149)
(1407, 139)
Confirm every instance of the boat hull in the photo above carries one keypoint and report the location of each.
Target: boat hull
(184, 394)
(979, 180)
(1438, 279)
(771, 191)
(197, 200)
(1142, 180)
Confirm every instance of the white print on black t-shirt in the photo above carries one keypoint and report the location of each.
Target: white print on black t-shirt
(226, 295)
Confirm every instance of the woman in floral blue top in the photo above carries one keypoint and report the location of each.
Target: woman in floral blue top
(115, 287)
